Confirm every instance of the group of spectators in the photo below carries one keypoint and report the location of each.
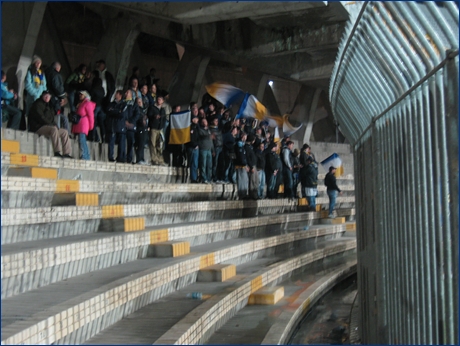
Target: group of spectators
(222, 148)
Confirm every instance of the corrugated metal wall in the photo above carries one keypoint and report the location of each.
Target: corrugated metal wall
(394, 92)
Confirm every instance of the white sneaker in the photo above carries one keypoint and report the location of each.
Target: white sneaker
(331, 216)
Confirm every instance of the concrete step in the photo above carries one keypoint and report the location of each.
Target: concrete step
(23, 192)
(19, 192)
(273, 325)
(32, 143)
(29, 265)
(29, 224)
(95, 170)
(63, 309)
(200, 323)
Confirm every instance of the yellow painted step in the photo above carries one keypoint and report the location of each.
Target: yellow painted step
(111, 211)
(170, 249)
(217, 273)
(303, 201)
(266, 296)
(24, 160)
(159, 236)
(33, 172)
(78, 199)
(350, 226)
(207, 260)
(132, 224)
(67, 186)
(9, 146)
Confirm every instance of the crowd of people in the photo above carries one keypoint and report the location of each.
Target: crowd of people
(222, 149)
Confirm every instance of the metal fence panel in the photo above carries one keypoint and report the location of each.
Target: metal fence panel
(394, 91)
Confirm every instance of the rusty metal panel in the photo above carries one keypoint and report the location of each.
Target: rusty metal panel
(394, 92)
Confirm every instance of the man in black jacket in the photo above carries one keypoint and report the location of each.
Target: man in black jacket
(252, 164)
(206, 148)
(133, 115)
(260, 154)
(58, 95)
(241, 167)
(41, 121)
(108, 82)
(157, 119)
(332, 189)
(193, 150)
(272, 167)
(228, 155)
(117, 112)
(311, 182)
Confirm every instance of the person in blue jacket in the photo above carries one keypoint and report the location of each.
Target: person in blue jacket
(9, 111)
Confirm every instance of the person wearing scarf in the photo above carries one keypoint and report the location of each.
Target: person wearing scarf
(35, 82)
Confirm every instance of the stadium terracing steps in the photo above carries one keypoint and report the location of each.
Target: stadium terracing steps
(97, 252)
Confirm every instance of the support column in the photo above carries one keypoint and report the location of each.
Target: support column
(199, 80)
(33, 29)
(311, 116)
(262, 86)
(188, 79)
(125, 58)
(117, 44)
(66, 69)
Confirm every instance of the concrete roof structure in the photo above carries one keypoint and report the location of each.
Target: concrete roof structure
(292, 40)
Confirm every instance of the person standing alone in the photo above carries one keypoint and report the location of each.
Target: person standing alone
(332, 189)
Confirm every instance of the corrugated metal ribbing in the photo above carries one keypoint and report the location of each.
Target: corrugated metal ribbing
(394, 92)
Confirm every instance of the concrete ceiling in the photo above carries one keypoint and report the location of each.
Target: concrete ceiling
(293, 40)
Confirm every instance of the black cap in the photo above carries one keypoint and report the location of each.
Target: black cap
(101, 61)
(45, 92)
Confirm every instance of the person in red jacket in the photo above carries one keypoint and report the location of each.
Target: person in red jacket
(85, 109)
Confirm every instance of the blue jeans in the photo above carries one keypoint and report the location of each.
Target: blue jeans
(120, 139)
(84, 151)
(261, 183)
(14, 116)
(193, 155)
(271, 186)
(205, 165)
(332, 198)
(311, 201)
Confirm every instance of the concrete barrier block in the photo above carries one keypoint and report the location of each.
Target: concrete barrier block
(75, 199)
(33, 172)
(266, 296)
(170, 249)
(335, 221)
(130, 224)
(217, 273)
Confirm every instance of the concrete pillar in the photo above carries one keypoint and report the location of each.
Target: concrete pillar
(199, 79)
(66, 69)
(125, 58)
(116, 45)
(28, 48)
(262, 85)
(311, 116)
(188, 79)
